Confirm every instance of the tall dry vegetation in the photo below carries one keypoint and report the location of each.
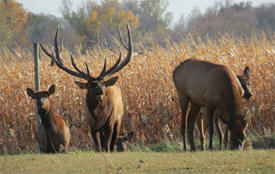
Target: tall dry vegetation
(150, 98)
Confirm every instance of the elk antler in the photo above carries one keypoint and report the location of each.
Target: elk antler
(134, 54)
(59, 63)
(117, 67)
(80, 74)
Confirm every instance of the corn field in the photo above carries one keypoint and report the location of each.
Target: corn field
(151, 106)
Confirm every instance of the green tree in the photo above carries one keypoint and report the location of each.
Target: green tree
(153, 15)
(154, 19)
(238, 19)
(96, 22)
(12, 19)
(265, 15)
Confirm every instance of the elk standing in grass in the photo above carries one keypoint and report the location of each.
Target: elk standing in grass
(203, 122)
(53, 135)
(103, 105)
(216, 87)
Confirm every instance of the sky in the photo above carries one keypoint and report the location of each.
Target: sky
(177, 7)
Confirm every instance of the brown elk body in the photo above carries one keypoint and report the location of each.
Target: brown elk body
(203, 123)
(105, 122)
(52, 134)
(103, 104)
(216, 87)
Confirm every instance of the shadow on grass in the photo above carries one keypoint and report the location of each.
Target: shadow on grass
(258, 142)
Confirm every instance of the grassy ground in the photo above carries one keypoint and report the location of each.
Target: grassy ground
(253, 161)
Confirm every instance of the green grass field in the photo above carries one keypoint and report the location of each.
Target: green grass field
(251, 161)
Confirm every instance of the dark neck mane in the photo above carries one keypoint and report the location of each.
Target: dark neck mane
(93, 103)
(47, 119)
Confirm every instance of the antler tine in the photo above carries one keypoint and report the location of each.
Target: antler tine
(58, 61)
(120, 38)
(52, 62)
(81, 72)
(62, 45)
(57, 56)
(124, 45)
(129, 54)
(101, 75)
(48, 54)
(111, 68)
(87, 69)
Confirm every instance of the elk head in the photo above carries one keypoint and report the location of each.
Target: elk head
(245, 82)
(237, 136)
(94, 85)
(123, 141)
(237, 127)
(42, 98)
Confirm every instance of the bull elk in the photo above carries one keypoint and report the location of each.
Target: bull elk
(103, 105)
(203, 122)
(52, 135)
(215, 87)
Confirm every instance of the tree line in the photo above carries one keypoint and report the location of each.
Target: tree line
(95, 24)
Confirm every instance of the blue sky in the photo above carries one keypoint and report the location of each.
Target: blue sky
(177, 7)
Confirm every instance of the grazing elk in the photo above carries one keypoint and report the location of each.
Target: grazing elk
(203, 123)
(216, 87)
(103, 105)
(123, 141)
(53, 135)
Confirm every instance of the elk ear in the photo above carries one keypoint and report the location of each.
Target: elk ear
(30, 92)
(111, 81)
(51, 90)
(82, 85)
(246, 72)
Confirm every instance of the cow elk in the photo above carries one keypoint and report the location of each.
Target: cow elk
(52, 134)
(103, 104)
(203, 123)
(215, 87)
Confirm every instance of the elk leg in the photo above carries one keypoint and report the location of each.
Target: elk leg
(115, 135)
(200, 123)
(183, 100)
(226, 137)
(108, 138)
(219, 132)
(95, 135)
(210, 116)
(192, 117)
(102, 140)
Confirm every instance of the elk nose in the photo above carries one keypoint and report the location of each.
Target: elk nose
(247, 95)
(39, 103)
